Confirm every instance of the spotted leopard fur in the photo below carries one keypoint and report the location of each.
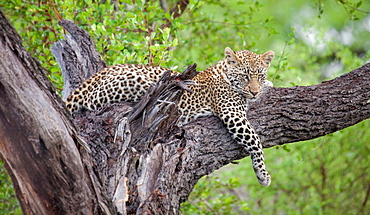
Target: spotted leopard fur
(223, 90)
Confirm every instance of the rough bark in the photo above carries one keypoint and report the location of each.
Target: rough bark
(138, 161)
(286, 115)
(37, 143)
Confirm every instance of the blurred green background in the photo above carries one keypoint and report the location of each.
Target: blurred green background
(313, 41)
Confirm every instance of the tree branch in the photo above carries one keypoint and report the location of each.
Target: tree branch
(286, 115)
(176, 11)
(179, 8)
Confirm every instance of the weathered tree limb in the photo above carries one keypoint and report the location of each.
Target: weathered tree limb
(153, 176)
(287, 115)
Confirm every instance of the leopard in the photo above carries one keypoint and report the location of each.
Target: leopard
(224, 90)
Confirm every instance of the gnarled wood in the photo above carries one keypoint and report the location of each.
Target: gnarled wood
(37, 143)
(76, 51)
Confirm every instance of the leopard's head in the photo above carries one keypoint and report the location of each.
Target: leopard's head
(247, 70)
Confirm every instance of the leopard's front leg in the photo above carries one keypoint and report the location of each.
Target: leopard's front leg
(230, 108)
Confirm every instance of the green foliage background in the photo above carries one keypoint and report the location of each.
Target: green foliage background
(313, 41)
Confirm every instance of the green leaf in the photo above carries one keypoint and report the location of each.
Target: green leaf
(358, 4)
(285, 147)
(291, 41)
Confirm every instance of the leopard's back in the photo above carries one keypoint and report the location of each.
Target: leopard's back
(123, 82)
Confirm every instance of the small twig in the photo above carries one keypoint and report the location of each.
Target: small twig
(280, 58)
(354, 8)
(176, 12)
(223, 23)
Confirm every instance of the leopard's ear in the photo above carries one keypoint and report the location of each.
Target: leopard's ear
(231, 57)
(267, 58)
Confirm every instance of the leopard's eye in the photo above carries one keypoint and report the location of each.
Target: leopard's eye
(260, 76)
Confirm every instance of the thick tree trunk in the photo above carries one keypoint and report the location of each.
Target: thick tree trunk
(37, 136)
(137, 161)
